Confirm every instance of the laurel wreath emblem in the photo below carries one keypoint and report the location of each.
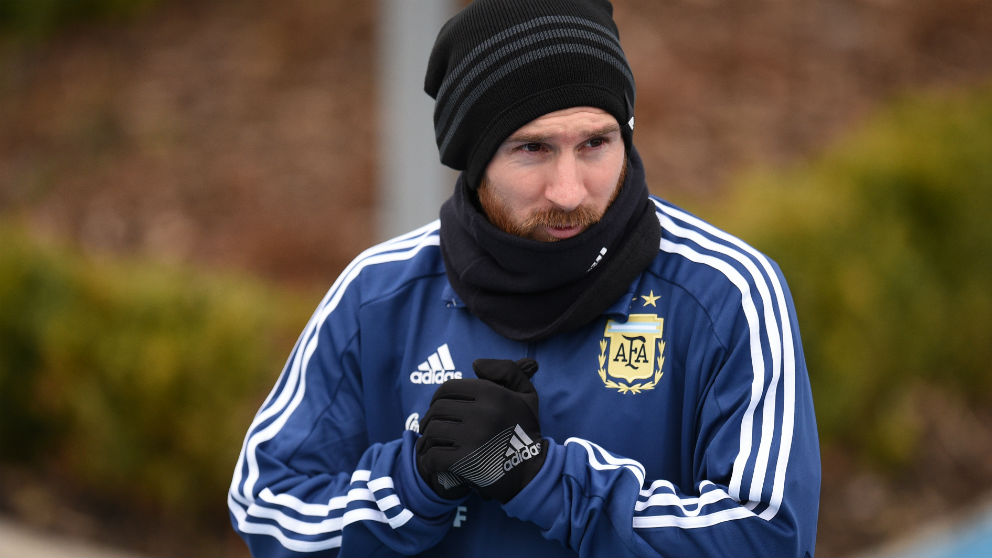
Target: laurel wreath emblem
(635, 388)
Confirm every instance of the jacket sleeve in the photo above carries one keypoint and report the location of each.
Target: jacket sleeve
(755, 478)
(308, 482)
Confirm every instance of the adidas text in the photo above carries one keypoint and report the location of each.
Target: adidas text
(523, 455)
(437, 369)
(438, 377)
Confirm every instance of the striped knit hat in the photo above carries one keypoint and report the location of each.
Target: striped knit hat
(498, 64)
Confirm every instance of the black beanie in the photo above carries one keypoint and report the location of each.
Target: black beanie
(498, 64)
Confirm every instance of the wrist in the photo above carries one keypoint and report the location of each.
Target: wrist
(539, 501)
(519, 470)
(415, 492)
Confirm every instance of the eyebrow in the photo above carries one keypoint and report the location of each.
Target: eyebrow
(540, 138)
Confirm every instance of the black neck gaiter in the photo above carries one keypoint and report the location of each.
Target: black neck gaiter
(528, 290)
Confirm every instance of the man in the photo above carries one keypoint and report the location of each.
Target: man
(562, 365)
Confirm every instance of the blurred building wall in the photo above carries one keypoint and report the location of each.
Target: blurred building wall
(412, 181)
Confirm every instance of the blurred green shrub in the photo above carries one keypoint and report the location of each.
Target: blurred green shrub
(886, 241)
(132, 382)
(41, 18)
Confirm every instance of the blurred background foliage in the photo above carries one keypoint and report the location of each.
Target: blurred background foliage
(131, 381)
(37, 19)
(178, 184)
(887, 245)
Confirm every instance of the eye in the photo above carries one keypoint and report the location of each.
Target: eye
(531, 147)
(596, 142)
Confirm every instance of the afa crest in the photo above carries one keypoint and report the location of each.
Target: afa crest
(632, 353)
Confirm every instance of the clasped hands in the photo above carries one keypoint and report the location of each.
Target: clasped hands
(483, 433)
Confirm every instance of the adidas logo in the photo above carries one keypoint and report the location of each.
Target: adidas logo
(520, 449)
(491, 461)
(599, 258)
(437, 369)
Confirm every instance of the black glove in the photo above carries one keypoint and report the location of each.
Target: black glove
(483, 432)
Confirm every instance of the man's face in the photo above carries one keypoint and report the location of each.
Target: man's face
(554, 177)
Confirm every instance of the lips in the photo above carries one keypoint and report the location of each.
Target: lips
(561, 233)
(554, 224)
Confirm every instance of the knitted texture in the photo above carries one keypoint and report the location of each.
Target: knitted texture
(499, 64)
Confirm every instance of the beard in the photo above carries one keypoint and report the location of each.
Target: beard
(534, 226)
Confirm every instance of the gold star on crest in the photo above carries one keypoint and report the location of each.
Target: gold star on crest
(650, 299)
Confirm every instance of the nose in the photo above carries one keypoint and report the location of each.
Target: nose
(566, 189)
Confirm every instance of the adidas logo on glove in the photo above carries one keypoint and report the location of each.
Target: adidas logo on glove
(521, 449)
(488, 464)
(437, 369)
